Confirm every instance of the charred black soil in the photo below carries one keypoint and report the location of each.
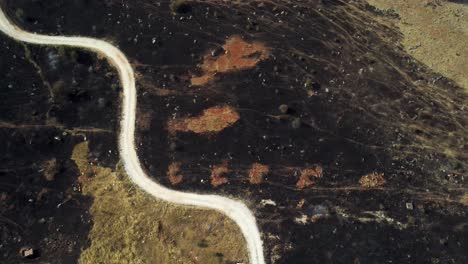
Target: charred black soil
(45, 112)
(334, 92)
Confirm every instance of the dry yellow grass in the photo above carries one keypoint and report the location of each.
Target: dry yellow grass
(435, 33)
(464, 199)
(372, 180)
(130, 226)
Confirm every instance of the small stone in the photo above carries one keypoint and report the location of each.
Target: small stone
(217, 52)
(27, 252)
(267, 202)
(283, 108)
(173, 146)
(301, 219)
(102, 102)
(296, 123)
(409, 206)
(311, 93)
(300, 203)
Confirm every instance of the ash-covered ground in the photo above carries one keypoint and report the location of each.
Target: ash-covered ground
(51, 100)
(346, 148)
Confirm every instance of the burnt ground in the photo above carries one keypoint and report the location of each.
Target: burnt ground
(45, 111)
(357, 104)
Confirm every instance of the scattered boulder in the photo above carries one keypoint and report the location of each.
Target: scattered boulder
(301, 219)
(409, 206)
(28, 252)
(267, 202)
(283, 108)
(296, 123)
(318, 212)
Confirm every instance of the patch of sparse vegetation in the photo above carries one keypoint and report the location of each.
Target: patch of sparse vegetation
(372, 180)
(464, 199)
(130, 226)
(51, 169)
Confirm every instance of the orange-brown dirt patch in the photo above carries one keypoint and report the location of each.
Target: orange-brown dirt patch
(173, 173)
(304, 180)
(238, 55)
(372, 180)
(212, 120)
(216, 174)
(257, 172)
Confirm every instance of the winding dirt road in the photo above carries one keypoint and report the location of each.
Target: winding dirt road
(236, 210)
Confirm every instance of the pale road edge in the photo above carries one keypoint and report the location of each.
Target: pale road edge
(236, 210)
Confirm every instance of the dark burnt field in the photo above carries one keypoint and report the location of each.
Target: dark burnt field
(45, 112)
(346, 148)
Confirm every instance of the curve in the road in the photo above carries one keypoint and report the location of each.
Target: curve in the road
(236, 210)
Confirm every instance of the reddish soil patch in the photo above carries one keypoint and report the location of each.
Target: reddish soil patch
(216, 172)
(238, 55)
(173, 173)
(372, 180)
(257, 172)
(304, 180)
(212, 120)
